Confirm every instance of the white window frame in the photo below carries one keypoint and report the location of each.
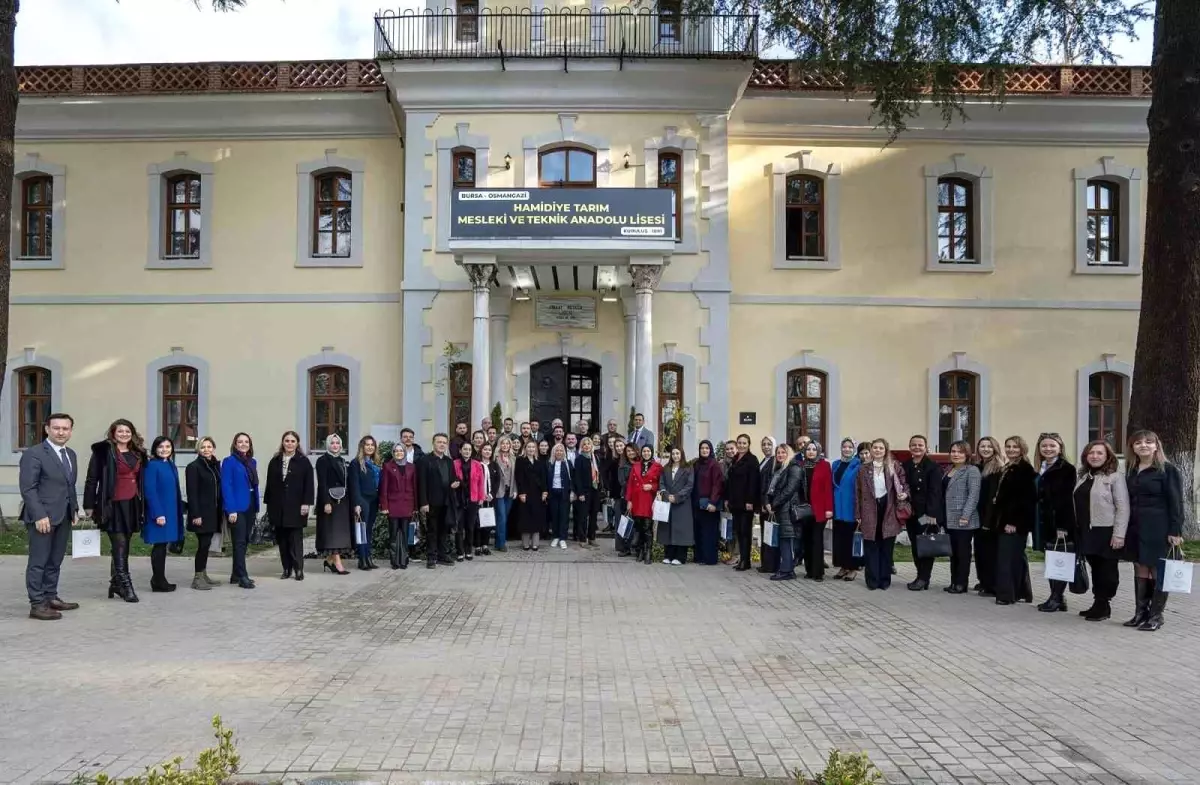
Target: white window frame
(1108, 363)
(686, 147)
(980, 176)
(154, 389)
(1129, 183)
(157, 176)
(327, 357)
(807, 360)
(961, 361)
(777, 173)
(33, 165)
(565, 136)
(447, 146)
(9, 454)
(306, 173)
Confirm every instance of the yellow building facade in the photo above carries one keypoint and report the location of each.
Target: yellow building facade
(272, 246)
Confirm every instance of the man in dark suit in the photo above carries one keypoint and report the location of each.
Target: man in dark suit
(435, 480)
(641, 436)
(50, 508)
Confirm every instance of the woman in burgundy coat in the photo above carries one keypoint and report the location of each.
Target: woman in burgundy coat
(819, 486)
(709, 495)
(397, 500)
(881, 488)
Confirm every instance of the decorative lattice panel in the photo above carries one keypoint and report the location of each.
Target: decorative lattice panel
(1147, 82)
(817, 79)
(369, 74)
(1102, 80)
(769, 76)
(318, 75)
(180, 78)
(1034, 79)
(38, 79)
(112, 79)
(249, 76)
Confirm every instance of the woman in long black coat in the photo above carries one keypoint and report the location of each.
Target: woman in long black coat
(1013, 512)
(531, 496)
(335, 501)
(768, 561)
(1056, 510)
(289, 496)
(1155, 523)
(204, 507)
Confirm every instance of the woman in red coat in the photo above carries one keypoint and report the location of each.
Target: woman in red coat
(640, 492)
(398, 500)
(819, 486)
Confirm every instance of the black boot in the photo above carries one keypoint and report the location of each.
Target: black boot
(1143, 589)
(362, 565)
(1158, 604)
(1100, 611)
(121, 558)
(1056, 601)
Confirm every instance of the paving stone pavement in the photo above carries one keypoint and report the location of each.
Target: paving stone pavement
(575, 662)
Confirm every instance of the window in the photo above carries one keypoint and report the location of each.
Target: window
(33, 404)
(668, 21)
(183, 217)
(670, 166)
(567, 167)
(468, 21)
(328, 404)
(806, 405)
(181, 406)
(1106, 405)
(464, 169)
(332, 214)
(670, 394)
(37, 217)
(956, 220)
(1103, 222)
(957, 406)
(583, 384)
(460, 394)
(805, 234)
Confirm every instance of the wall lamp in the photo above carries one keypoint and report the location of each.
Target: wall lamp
(507, 163)
(609, 295)
(521, 294)
(631, 166)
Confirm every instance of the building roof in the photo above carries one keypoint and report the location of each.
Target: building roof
(365, 76)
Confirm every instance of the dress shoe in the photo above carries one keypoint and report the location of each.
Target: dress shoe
(1053, 605)
(430, 565)
(161, 586)
(58, 604)
(299, 575)
(1100, 611)
(246, 584)
(918, 585)
(1002, 602)
(43, 612)
(286, 574)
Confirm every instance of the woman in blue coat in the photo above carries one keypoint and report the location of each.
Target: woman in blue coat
(364, 480)
(845, 472)
(164, 509)
(240, 498)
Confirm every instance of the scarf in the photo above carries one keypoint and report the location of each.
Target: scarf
(251, 474)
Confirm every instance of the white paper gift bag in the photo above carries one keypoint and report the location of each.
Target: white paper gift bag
(625, 527)
(771, 534)
(85, 543)
(215, 546)
(487, 518)
(662, 511)
(1175, 575)
(360, 532)
(1060, 566)
(726, 527)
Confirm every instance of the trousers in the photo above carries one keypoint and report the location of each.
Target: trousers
(437, 535)
(915, 528)
(203, 543)
(46, 553)
(291, 547)
(1106, 577)
(559, 503)
(813, 548)
(787, 556)
(743, 530)
(1012, 569)
(398, 543)
(240, 532)
(960, 557)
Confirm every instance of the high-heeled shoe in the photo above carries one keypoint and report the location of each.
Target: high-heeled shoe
(327, 566)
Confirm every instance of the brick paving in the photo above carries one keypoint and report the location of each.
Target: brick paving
(579, 663)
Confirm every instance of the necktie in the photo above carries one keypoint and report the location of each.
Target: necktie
(66, 462)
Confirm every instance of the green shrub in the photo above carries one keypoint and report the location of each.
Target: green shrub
(843, 769)
(213, 766)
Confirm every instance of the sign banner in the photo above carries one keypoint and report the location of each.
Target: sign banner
(544, 213)
(565, 313)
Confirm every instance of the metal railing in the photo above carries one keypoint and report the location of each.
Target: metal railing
(468, 33)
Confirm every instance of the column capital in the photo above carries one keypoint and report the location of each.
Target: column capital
(645, 276)
(481, 274)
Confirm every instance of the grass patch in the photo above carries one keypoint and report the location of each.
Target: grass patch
(14, 541)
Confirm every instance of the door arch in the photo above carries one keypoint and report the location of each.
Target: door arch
(567, 388)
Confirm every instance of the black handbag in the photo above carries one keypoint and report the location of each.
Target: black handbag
(930, 545)
(802, 511)
(1081, 584)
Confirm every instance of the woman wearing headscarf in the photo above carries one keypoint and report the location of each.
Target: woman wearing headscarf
(881, 489)
(991, 462)
(675, 487)
(845, 474)
(743, 491)
(204, 506)
(398, 499)
(817, 492)
(335, 522)
(1014, 509)
(781, 498)
(1055, 526)
(530, 481)
(363, 479)
(640, 491)
(289, 495)
(768, 561)
(164, 510)
(114, 497)
(709, 494)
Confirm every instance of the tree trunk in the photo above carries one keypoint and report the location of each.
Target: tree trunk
(1166, 389)
(8, 122)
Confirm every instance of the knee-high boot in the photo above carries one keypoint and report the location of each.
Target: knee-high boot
(1143, 594)
(1158, 604)
(124, 586)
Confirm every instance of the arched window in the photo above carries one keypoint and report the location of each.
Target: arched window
(180, 406)
(805, 222)
(670, 169)
(958, 404)
(460, 394)
(468, 21)
(328, 404)
(807, 406)
(956, 220)
(1103, 222)
(183, 216)
(670, 394)
(33, 404)
(567, 167)
(669, 12)
(332, 207)
(464, 168)
(1106, 408)
(37, 216)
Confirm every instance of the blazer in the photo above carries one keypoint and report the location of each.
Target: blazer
(286, 495)
(398, 489)
(567, 476)
(866, 511)
(101, 482)
(204, 499)
(924, 480)
(820, 490)
(641, 503)
(844, 487)
(679, 529)
(710, 482)
(1056, 505)
(962, 499)
(47, 487)
(238, 492)
(163, 500)
(529, 479)
(581, 476)
(432, 489)
(743, 485)
(642, 438)
(363, 485)
(1108, 503)
(1016, 500)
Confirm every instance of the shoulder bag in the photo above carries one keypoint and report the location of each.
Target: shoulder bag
(338, 492)
(904, 508)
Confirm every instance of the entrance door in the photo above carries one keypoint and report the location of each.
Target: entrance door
(570, 392)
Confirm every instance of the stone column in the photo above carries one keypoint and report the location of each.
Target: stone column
(645, 279)
(629, 311)
(481, 276)
(498, 343)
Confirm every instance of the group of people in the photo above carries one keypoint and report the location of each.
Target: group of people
(987, 501)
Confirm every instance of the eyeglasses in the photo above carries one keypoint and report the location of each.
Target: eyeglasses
(1050, 435)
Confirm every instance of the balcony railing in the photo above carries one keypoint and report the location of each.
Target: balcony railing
(468, 33)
